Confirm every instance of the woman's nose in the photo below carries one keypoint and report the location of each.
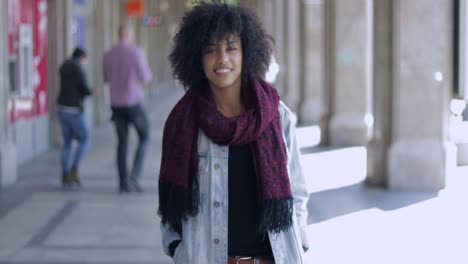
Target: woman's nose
(222, 57)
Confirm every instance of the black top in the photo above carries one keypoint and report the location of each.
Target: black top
(244, 238)
(73, 85)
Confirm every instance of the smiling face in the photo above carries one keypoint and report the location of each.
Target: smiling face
(222, 62)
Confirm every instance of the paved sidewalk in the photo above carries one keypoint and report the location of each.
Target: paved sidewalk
(40, 223)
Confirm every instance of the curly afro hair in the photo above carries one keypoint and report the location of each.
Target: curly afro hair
(208, 21)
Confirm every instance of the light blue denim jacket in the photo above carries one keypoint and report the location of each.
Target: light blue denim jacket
(205, 236)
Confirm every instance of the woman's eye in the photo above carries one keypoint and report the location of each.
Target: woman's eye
(231, 48)
(208, 51)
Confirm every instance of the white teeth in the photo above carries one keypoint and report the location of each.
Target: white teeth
(222, 70)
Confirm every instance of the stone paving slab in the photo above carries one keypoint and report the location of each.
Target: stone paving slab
(16, 229)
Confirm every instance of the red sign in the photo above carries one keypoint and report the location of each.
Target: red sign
(135, 8)
(27, 57)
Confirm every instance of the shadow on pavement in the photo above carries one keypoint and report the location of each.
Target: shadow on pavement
(328, 204)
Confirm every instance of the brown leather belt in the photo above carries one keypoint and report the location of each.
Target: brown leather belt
(250, 260)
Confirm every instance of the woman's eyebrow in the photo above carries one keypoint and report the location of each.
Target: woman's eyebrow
(210, 46)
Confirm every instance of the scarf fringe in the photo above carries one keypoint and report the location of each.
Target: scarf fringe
(177, 203)
(276, 215)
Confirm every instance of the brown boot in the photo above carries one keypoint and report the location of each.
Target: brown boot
(74, 177)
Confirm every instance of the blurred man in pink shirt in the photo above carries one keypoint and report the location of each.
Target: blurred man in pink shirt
(126, 71)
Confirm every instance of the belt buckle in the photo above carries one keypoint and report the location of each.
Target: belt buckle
(238, 259)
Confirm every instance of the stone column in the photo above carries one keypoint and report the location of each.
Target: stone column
(162, 36)
(152, 9)
(266, 14)
(7, 147)
(102, 42)
(463, 52)
(378, 146)
(279, 50)
(421, 155)
(352, 121)
(252, 5)
(60, 46)
(329, 69)
(314, 103)
(265, 10)
(117, 17)
(457, 123)
(292, 51)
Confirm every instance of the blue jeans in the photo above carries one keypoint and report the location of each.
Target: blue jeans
(73, 127)
(123, 117)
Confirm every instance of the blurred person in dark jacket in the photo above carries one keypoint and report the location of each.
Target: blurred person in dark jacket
(126, 70)
(73, 89)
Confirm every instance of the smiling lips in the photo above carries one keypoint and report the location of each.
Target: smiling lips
(223, 70)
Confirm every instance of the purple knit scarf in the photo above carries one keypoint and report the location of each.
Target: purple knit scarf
(259, 126)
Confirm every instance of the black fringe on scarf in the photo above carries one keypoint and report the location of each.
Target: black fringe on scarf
(177, 203)
(276, 215)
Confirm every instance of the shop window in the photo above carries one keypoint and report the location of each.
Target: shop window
(12, 74)
(26, 67)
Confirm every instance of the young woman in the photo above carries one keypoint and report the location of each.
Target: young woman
(230, 186)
